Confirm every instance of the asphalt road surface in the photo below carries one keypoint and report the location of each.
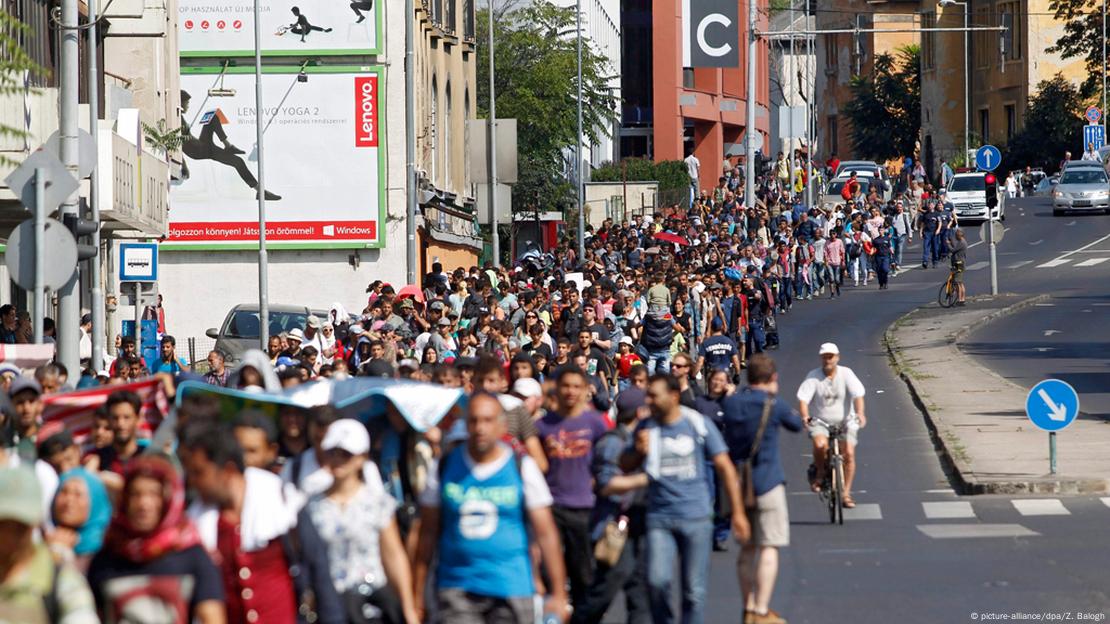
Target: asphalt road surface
(913, 550)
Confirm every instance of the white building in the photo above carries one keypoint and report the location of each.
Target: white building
(601, 25)
(793, 77)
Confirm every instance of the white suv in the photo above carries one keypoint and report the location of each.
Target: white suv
(968, 194)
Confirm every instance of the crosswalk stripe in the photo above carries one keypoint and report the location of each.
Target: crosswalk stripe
(978, 265)
(959, 531)
(1018, 265)
(1052, 263)
(1040, 507)
(957, 509)
(1092, 262)
(864, 511)
(1105, 500)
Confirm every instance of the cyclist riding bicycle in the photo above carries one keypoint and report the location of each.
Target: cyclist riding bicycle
(832, 395)
(958, 258)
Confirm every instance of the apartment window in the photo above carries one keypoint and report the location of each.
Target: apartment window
(831, 60)
(448, 149)
(834, 134)
(1011, 121)
(928, 41)
(688, 77)
(982, 44)
(468, 19)
(984, 125)
(1012, 36)
(433, 131)
(449, 23)
(437, 11)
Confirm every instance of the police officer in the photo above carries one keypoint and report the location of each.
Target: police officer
(884, 253)
(929, 229)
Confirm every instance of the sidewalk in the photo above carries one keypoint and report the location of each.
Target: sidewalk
(977, 418)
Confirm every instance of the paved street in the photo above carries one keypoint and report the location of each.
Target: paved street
(913, 551)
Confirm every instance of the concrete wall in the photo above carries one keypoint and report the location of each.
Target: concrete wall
(600, 205)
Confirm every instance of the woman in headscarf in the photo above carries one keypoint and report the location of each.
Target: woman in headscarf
(80, 511)
(153, 568)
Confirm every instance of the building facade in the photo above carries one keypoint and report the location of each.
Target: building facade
(1005, 70)
(671, 111)
(844, 55)
(793, 73)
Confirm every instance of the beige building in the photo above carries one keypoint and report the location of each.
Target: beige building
(445, 61)
(1004, 72)
(841, 56)
(138, 83)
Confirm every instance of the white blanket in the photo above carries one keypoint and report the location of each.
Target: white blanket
(266, 515)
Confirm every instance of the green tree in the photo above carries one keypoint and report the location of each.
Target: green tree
(885, 109)
(536, 59)
(1082, 38)
(1053, 125)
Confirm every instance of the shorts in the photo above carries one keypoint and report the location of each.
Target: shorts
(770, 519)
(958, 273)
(818, 428)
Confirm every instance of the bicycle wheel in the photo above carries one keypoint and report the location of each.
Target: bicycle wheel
(947, 295)
(829, 488)
(838, 480)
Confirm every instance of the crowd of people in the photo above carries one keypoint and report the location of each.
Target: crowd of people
(620, 416)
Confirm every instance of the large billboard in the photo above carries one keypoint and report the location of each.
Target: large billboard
(289, 27)
(324, 156)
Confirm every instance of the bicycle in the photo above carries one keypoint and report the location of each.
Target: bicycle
(949, 293)
(832, 488)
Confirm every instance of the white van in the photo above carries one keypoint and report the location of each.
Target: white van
(968, 194)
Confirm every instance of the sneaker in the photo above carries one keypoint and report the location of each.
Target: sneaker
(720, 545)
(767, 618)
(924, 265)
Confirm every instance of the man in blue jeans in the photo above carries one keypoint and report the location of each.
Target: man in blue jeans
(673, 448)
(929, 228)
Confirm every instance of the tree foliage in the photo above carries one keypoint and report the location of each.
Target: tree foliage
(535, 78)
(1082, 38)
(670, 174)
(1053, 125)
(885, 109)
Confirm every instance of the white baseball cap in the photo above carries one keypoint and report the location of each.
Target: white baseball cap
(829, 348)
(527, 387)
(347, 434)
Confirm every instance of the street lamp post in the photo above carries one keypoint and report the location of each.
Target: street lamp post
(578, 148)
(967, 77)
(263, 260)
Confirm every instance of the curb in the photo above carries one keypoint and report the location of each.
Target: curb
(956, 467)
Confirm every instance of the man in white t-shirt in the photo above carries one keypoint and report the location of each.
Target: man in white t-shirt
(693, 169)
(832, 395)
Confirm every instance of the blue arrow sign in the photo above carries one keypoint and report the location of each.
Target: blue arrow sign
(1094, 135)
(987, 158)
(1052, 405)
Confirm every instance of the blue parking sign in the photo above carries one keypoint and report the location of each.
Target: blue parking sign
(1094, 135)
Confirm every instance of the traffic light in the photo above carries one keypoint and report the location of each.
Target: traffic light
(81, 228)
(992, 190)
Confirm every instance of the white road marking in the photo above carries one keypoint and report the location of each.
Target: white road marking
(1102, 304)
(1045, 305)
(979, 265)
(1092, 262)
(1018, 265)
(1037, 242)
(956, 509)
(961, 531)
(1040, 507)
(1049, 332)
(1061, 259)
(946, 491)
(1042, 349)
(1071, 223)
(1052, 263)
(1105, 500)
(864, 511)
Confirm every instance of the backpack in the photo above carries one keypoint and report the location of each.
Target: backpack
(854, 250)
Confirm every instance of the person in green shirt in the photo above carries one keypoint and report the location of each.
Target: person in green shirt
(35, 588)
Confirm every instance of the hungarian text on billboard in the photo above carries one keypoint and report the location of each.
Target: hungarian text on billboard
(290, 27)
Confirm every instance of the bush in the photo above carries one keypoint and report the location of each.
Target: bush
(670, 174)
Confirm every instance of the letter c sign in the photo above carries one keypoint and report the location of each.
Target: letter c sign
(712, 33)
(712, 50)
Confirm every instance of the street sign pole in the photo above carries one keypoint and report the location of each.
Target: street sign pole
(139, 319)
(38, 309)
(987, 158)
(1052, 452)
(994, 254)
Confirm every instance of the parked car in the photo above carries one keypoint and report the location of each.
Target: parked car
(831, 195)
(968, 194)
(241, 328)
(1082, 188)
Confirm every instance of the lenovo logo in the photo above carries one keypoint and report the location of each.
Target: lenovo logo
(366, 111)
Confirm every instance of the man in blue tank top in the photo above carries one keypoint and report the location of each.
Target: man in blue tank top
(477, 511)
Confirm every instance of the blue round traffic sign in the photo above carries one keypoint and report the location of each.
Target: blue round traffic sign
(1052, 405)
(1093, 114)
(987, 158)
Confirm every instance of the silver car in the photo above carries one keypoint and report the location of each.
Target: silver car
(241, 328)
(1081, 189)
